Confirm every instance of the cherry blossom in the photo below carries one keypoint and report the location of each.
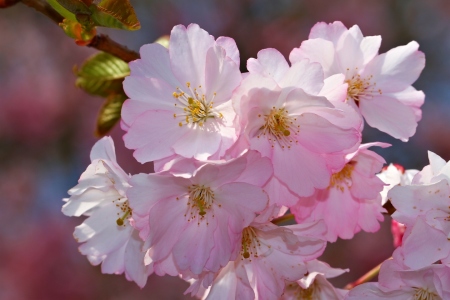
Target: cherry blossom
(198, 220)
(269, 256)
(423, 207)
(429, 283)
(315, 285)
(353, 191)
(180, 97)
(291, 126)
(107, 234)
(393, 175)
(379, 86)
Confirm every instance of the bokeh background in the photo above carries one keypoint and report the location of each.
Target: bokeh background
(47, 126)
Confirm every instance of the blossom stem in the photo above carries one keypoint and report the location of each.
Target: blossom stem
(286, 217)
(100, 42)
(104, 43)
(365, 278)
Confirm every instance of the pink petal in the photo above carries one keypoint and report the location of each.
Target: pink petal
(369, 47)
(198, 143)
(154, 63)
(305, 75)
(331, 32)
(188, 49)
(316, 50)
(104, 149)
(320, 136)
(270, 63)
(222, 75)
(156, 93)
(396, 69)
(194, 246)
(301, 171)
(424, 246)
(147, 189)
(134, 261)
(153, 134)
(335, 88)
(389, 115)
(165, 232)
(412, 98)
(349, 54)
(230, 47)
(243, 199)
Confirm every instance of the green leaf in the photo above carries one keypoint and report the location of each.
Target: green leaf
(74, 6)
(114, 14)
(110, 113)
(102, 75)
(67, 14)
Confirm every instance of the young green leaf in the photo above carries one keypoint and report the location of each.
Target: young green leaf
(69, 8)
(102, 74)
(114, 14)
(109, 114)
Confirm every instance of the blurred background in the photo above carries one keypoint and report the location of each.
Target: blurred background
(47, 126)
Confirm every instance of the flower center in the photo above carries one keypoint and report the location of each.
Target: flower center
(126, 211)
(250, 243)
(201, 199)
(280, 128)
(359, 88)
(424, 294)
(344, 177)
(196, 108)
(310, 293)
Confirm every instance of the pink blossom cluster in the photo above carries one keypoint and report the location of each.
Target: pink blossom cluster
(234, 152)
(420, 267)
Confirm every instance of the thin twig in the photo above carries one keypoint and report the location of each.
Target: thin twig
(365, 278)
(389, 207)
(106, 44)
(43, 7)
(100, 42)
(287, 217)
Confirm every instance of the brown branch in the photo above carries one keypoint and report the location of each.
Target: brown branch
(366, 277)
(43, 7)
(389, 207)
(100, 42)
(285, 218)
(106, 44)
(7, 3)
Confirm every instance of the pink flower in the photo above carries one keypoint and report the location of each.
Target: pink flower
(180, 98)
(431, 283)
(292, 126)
(269, 256)
(199, 219)
(107, 234)
(315, 285)
(393, 175)
(424, 209)
(352, 201)
(378, 85)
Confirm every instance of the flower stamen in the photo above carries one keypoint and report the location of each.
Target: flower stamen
(196, 108)
(343, 177)
(250, 243)
(280, 128)
(126, 210)
(201, 199)
(359, 88)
